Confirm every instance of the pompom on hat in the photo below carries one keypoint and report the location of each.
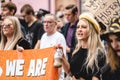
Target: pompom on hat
(113, 29)
(88, 16)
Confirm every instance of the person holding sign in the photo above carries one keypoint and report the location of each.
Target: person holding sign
(112, 70)
(52, 37)
(11, 35)
(88, 56)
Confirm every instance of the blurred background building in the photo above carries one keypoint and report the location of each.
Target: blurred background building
(51, 5)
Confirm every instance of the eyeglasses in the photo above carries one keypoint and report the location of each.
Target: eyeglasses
(49, 22)
(7, 25)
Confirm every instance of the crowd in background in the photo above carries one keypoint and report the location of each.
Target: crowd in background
(90, 50)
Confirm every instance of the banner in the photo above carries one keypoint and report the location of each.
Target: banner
(104, 10)
(28, 65)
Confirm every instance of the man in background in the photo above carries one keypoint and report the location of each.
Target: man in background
(34, 29)
(71, 14)
(9, 9)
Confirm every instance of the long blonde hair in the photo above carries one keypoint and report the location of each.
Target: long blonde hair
(94, 44)
(16, 36)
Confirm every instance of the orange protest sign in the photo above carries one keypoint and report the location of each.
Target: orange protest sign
(28, 65)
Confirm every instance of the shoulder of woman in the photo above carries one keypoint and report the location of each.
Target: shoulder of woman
(24, 43)
(105, 68)
(101, 58)
(21, 40)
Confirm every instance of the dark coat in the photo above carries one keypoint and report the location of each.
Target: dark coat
(64, 31)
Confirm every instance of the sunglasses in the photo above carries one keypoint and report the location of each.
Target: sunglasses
(7, 25)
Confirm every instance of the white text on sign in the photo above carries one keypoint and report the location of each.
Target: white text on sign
(36, 67)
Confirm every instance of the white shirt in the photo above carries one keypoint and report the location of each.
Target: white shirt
(52, 40)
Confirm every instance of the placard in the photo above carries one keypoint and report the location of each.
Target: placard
(28, 65)
(104, 10)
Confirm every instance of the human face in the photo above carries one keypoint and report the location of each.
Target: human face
(82, 31)
(23, 15)
(26, 17)
(115, 43)
(59, 24)
(5, 12)
(7, 28)
(49, 25)
(69, 16)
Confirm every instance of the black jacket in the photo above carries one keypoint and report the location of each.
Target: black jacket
(64, 31)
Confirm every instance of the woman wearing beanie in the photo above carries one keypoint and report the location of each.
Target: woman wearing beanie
(112, 70)
(88, 56)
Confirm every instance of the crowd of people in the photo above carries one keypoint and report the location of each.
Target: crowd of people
(84, 55)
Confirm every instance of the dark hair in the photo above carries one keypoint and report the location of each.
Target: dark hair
(44, 12)
(2, 1)
(38, 14)
(102, 26)
(27, 8)
(117, 34)
(73, 8)
(106, 37)
(11, 6)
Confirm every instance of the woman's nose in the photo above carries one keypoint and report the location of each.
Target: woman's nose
(79, 28)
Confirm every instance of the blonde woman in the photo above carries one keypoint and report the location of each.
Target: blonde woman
(88, 56)
(11, 35)
(112, 70)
